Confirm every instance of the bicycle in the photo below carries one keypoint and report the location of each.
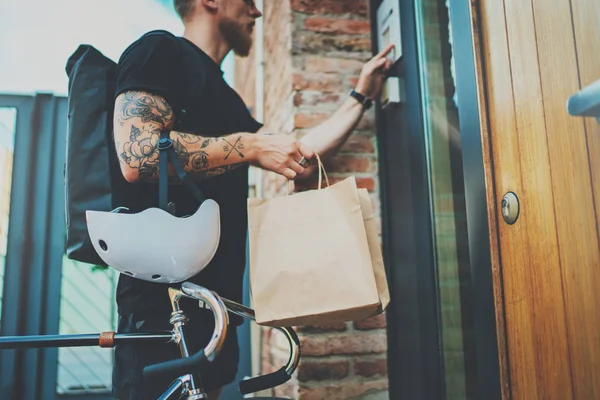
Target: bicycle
(182, 370)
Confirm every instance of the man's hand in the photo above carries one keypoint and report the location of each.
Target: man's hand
(372, 75)
(280, 154)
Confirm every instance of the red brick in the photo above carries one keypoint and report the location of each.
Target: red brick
(266, 342)
(332, 64)
(267, 367)
(320, 371)
(337, 327)
(366, 183)
(356, 7)
(353, 81)
(358, 144)
(315, 98)
(309, 120)
(370, 368)
(321, 82)
(342, 390)
(376, 322)
(308, 43)
(336, 344)
(337, 26)
(349, 163)
(287, 390)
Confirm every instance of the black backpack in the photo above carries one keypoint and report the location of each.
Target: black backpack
(92, 174)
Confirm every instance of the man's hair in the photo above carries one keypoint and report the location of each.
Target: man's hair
(184, 7)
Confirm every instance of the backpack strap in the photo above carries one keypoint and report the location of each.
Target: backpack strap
(167, 153)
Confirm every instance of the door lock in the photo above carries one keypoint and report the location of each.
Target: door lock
(510, 208)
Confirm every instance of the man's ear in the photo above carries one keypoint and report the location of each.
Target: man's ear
(211, 5)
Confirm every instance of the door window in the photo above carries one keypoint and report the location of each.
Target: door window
(448, 209)
(8, 118)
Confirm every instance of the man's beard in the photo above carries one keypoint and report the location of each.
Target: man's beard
(236, 38)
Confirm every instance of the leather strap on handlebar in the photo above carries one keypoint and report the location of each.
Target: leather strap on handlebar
(107, 339)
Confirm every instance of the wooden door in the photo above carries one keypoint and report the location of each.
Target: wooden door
(531, 56)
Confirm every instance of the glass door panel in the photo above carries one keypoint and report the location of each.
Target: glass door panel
(8, 118)
(87, 305)
(448, 212)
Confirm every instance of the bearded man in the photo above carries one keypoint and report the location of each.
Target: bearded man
(175, 84)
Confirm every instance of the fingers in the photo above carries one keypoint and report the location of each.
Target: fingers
(294, 166)
(386, 50)
(381, 62)
(289, 174)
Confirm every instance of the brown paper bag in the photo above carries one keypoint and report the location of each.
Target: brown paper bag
(374, 249)
(310, 258)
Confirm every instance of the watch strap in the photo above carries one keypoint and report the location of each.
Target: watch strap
(367, 103)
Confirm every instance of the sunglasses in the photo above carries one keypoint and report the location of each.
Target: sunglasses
(250, 3)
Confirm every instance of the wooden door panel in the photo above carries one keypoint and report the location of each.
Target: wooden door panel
(535, 54)
(572, 191)
(539, 254)
(586, 25)
(505, 152)
(499, 99)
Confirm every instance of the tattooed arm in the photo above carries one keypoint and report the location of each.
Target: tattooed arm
(139, 118)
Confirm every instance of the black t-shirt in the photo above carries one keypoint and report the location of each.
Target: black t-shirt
(204, 104)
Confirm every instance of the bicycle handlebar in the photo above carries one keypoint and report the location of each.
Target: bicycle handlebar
(264, 382)
(220, 307)
(196, 362)
(275, 378)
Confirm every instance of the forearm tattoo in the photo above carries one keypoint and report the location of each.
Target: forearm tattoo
(148, 116)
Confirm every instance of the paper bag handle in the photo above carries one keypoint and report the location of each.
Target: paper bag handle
(321, 168)
(321, 173)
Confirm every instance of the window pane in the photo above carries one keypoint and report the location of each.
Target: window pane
(87, 306)
(442, 132)
(8, 119)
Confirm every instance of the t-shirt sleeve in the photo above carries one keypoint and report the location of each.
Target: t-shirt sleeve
(152, 64)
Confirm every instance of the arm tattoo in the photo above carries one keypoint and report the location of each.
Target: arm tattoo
(141, 151)
(147, 107)
(146, 116)
(230, 148)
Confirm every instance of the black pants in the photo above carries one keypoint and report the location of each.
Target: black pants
(131, 359)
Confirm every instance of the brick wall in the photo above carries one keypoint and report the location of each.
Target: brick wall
(314, 50)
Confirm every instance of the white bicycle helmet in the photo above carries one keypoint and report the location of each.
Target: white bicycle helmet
(154, 245)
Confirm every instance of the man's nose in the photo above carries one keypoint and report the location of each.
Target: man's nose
(256, 13)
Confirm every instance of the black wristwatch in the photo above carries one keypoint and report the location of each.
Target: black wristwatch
(367, 103)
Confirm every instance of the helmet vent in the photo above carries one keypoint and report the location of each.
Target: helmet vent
(128, 273)
(103, 245)
(156, 277)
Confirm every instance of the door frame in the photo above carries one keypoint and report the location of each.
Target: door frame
(415, 365)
